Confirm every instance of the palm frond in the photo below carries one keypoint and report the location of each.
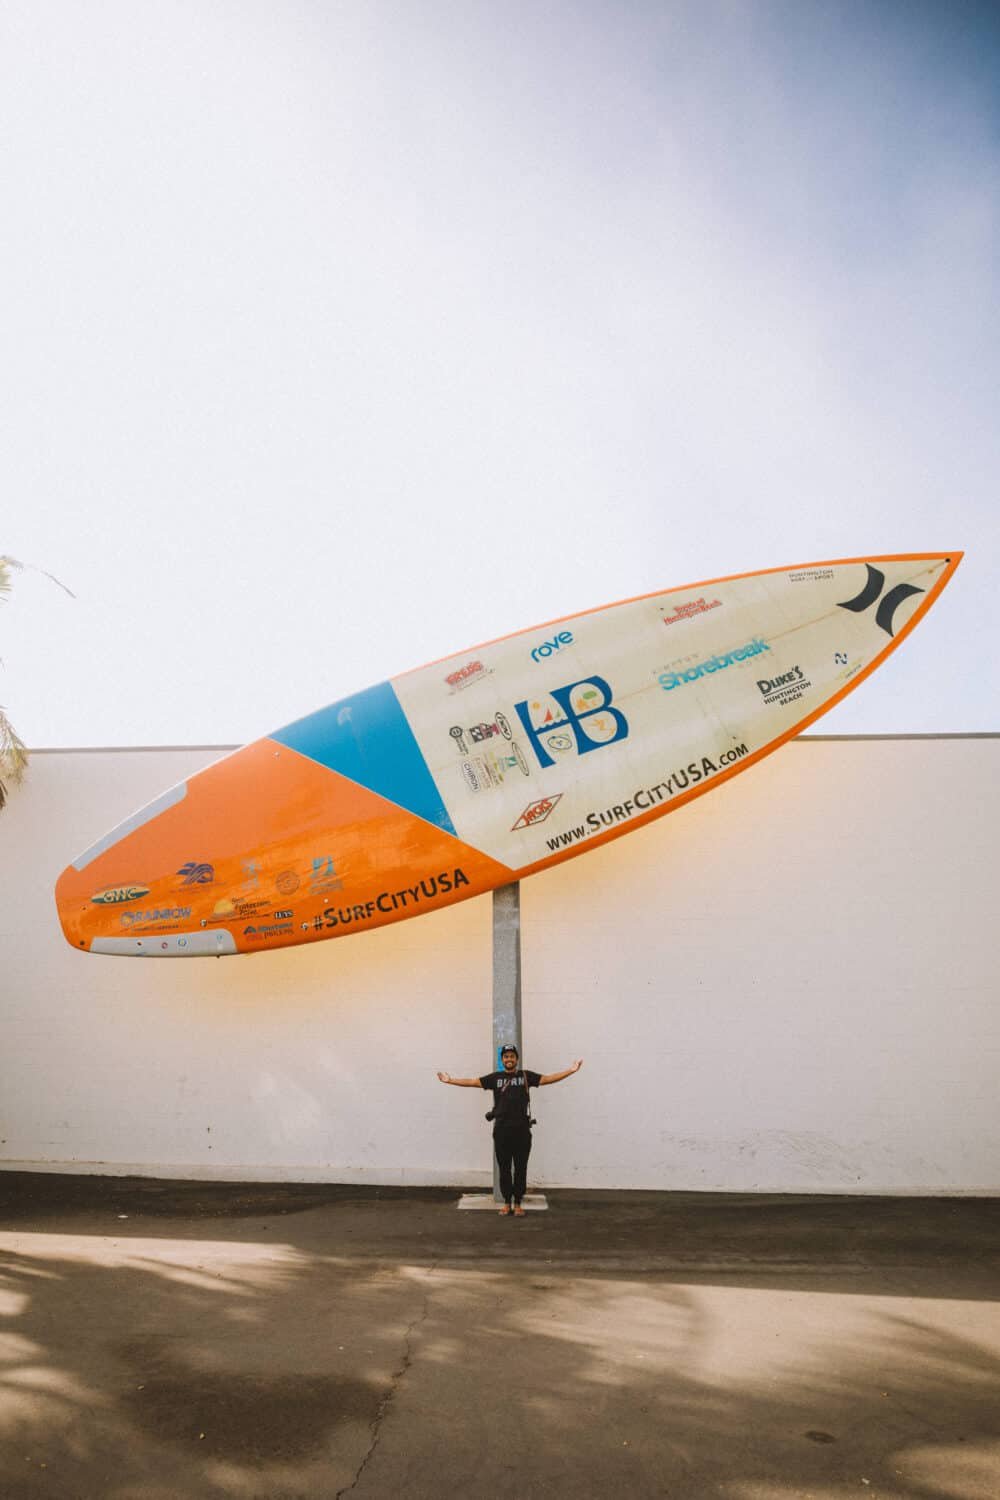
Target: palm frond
(13, 751)
(7, 563)
(13, 756)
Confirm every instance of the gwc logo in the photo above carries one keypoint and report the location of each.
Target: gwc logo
(586, 702)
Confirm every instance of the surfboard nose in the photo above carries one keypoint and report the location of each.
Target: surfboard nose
(126, 919)
(99, 893)
(71, 908)
(264, 849)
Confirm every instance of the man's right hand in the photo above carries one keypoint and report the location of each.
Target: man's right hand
(445, 1077)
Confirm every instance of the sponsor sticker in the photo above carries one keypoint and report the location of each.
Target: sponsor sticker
(689, 608)
(155, 917)
(874, 593)
(387, 902)
(482, 733)
(486, 773)
(114, 895)
(196, 873)
(549, 648)
(502, 761)
(787, 688)
(230, 909)
(648, 798)
(323, 875)
(463, 677)
(522, 764)
(810, 575)
(842, 659)
(481, 772)
(287, 882)
(274, 929)
(583, 710)
(536, 812)
(717, 663)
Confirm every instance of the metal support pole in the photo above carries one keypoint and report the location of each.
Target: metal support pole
(506, 981)
(506, 1015)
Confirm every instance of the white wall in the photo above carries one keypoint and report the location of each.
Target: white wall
(786, 986)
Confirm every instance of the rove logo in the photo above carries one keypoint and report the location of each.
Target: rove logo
(549, 648)
(872, 590)
(583, 702)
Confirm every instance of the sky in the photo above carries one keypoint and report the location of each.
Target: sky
(340, 337)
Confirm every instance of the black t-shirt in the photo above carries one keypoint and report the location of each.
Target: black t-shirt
(510, 1097)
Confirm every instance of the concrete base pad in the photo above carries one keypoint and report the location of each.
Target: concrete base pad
(530, 1201)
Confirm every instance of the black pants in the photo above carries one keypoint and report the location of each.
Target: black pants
(512, 1144)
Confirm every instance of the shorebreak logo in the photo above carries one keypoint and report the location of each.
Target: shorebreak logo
(670, 680)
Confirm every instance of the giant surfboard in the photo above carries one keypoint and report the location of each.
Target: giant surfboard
(490, 765)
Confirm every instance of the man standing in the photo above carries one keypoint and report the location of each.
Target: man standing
(511, 1120)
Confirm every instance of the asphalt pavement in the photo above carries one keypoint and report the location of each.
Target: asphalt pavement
(165, 1340)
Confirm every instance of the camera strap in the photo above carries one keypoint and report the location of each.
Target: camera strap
(527, 1099)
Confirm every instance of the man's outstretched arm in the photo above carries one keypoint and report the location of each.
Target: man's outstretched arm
(464, 1083)
(558, 1077)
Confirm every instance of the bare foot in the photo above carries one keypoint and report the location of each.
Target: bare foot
(518, 1211)
(505, 1211)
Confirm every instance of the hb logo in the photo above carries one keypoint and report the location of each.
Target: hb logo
(888, 606)
(579, 701)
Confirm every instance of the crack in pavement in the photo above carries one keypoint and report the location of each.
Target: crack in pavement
(386, 1400)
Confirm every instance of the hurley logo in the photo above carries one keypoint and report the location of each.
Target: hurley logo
(889, 605)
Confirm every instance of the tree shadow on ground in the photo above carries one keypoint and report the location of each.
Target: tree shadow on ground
(172, 1358)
